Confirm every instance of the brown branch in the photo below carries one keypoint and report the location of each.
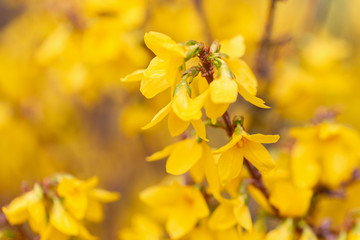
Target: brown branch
(207, 71)
(262, 66)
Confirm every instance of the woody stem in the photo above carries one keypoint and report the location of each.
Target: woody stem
(207, 70)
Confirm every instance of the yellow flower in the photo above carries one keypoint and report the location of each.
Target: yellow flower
(326, 153)
(246, 82)
(257, 232)
(242, 145)
(28, 207)
(162, 71)
(82, 199)
(142, 228)
(184, 206)
(307, 234)
(203, 232)
(229, 213)
(193, 156)
(290, 200)
(285, 231)
(182, 111)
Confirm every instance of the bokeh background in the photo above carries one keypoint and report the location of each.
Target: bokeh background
(63, 107)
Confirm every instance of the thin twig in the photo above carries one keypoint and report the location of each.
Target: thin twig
(262, 66)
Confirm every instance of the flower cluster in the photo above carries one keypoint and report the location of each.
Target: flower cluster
(57, 208)
(210, 78)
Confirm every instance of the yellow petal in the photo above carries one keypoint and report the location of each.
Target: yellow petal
(231, 233)
(51, 233)
(200, 129)
(161, 154)
(291, 201)
(193, 199)
(251, 98)
(243, 216)
(223, 217)
(260, 199)
(76, 204)
(285, 231)
(135, 76)
(54, 44)
(186, 108)
(163, 46)
(158, 117)
(305, 167)
(234, 47)
(258, 156)
(223, 90)
(160, 195)
(183, 157)
(211, 171)
(176, 126)
(154, 78)
(94, 211)
(37, 216)
(16, 212)
(180, 223)
(308, 234)
(243, 75)
(103, 195)
(84, 234)
(260, 138)
(62, 221)
(234, 140)
(214, 111)
(197, 172)
(230, 164)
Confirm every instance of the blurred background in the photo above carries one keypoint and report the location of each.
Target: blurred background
(64, 109)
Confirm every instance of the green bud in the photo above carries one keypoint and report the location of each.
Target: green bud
(191, 52)
(215, 47)
(239, 120)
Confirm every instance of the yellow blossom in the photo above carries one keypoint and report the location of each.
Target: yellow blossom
(290, 200)
(326, 153)
(184, 206)
(142, 228)
(182, 111)
(242, 145)
(229, 213)
(162, 71)
(284, 231)
(82, 199)
(28, 207)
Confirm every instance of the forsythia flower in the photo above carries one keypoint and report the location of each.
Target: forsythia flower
(242, 145)
(183, 205)
(285, 231)
(326, 153)
(290, 200)
(142, 228)
(229, 213)
(28, 207)
(182, 111)
(203, 232)
(162, 71)
(189, 155)
(82, 199)
(70, 202)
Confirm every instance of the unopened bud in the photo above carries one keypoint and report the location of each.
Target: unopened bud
(215, 47)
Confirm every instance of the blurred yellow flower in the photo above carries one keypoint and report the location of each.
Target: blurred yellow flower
(184, 206)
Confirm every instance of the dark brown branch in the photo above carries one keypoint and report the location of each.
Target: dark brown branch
(207, 70)
(262, 66)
